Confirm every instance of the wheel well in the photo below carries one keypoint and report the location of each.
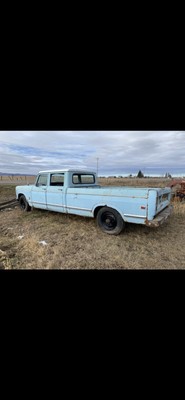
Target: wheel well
(20, 194)
(97, 209)
(105, 205)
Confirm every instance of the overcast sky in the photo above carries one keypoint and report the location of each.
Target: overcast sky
(29, 152)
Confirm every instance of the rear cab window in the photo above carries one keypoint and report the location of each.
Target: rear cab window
(83, 179)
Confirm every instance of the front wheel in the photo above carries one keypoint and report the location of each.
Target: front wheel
(110, 221)
(24, 204)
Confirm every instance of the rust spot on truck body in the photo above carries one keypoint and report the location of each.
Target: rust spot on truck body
(160, 218)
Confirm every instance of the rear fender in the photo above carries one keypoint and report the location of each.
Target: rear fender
(97, 207)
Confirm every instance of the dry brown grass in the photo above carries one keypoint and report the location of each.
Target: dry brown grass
(77, 243)
(7, 192)
(17, 179)
(142, 182)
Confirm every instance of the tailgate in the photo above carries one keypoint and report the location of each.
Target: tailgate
(163, 199)
(158, 200)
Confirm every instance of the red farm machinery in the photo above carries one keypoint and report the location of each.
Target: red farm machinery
(178, 187)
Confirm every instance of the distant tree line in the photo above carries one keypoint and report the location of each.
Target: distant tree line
(167, 175)
(140, 174)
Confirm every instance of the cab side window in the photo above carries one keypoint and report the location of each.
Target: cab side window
(42, 180)
(57, 180)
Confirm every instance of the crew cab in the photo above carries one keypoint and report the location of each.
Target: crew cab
(78, 192)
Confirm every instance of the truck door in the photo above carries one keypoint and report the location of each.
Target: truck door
(38, 193)
(55, 192)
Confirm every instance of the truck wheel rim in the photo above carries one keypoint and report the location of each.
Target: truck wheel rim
(22, 204)
(108, 221)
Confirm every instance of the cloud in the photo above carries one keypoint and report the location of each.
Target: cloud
(29, 152)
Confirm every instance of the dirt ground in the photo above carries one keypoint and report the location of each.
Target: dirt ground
(46, 240)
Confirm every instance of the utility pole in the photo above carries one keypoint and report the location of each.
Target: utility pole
(97, 164)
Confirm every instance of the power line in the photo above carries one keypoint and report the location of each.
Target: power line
(97, 164)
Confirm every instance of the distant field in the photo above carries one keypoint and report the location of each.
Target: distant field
(76, 242)
(16, 179)
(23, 180)
(143, 182)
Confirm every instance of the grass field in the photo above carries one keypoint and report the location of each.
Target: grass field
(17, 179)
(68, 241)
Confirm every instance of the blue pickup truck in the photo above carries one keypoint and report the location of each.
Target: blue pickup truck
(78, 192)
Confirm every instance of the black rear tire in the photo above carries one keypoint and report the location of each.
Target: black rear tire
(110, 221)
(24, 204)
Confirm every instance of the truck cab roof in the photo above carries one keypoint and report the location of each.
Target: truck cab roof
(80, 171)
